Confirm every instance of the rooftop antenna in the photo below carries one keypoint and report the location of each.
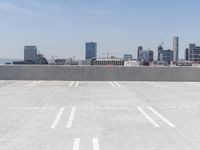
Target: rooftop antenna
(162, 42)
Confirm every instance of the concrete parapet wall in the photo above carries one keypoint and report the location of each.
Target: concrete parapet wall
(91, 73)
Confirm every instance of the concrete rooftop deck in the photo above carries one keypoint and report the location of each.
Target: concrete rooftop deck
(71, 115)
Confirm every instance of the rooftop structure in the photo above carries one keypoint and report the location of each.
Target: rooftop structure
(107, 62)
(128, 57)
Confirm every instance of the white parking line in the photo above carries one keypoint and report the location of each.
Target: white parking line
(70, 85)
(29, 84)
(37, 83)
(32, 84)
(161, 117)
(76, 144)
(148, 117)
(54, 124)
(111, 84)
(95, 144)
(76, 84)
(116, 83)
(71, 117)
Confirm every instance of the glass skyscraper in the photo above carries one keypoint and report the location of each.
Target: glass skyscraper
(30, 53)
(91, 50)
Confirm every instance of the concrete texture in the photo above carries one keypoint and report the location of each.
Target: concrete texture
(89, 73)
(65, 115)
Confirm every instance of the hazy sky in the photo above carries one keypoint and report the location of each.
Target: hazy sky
(61, 27)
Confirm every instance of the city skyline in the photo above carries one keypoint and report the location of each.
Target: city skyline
(62, 28)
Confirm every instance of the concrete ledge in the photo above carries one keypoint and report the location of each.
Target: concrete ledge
(92, 73)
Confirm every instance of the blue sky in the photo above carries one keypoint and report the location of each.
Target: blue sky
(61, 27)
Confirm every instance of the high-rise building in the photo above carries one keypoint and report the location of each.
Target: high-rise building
(91, 50)
(147, 56)
(176, 48)
(165, 56)
(140, 48)
(187, 54)
(194, 53)
(30, 54)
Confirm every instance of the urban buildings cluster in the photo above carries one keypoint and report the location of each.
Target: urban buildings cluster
(192, 53)
(31, 56)
(145, 57)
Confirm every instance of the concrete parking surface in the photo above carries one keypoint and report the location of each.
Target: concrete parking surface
(75, 115)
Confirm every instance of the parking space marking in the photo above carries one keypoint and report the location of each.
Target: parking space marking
(95, 144)
(116, 83)
(32, 84)
(161, 117)
(38, 82)
(148, 117)
(54, 124)
(111, 84)
(76, 144)
(76, 85)
(71, 117)
(73, 84)
(29, 84)
(70, 85)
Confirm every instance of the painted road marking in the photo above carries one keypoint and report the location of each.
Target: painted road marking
(76, 85)
(116, 83)
(71, 117)
(29, 84)
(54, 124)
(70, 85)
(161, 117)
(111, 84)
(32, 84)
(148, 117)
(37, 83)
(76, 144)
(95, 144)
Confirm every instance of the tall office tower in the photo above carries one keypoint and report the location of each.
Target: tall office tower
(160, 49)
(30, 53)
(91, 50)
(176, 48)
(140, 48)
(187, 54)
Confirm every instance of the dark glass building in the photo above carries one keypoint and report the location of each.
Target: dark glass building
(91, 50)
(166, 56)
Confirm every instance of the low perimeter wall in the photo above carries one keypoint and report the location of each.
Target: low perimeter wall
(90, 73)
